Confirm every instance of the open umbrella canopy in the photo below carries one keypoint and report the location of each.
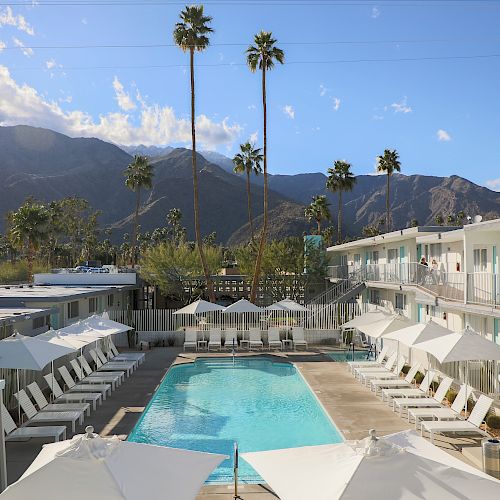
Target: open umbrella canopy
(366, 318)
(276, 307)
(292, 306)
(466, 345)
(106, 326)
(371, 468)
(28, 353)
(384, 326)
(420, 332)
(199, 307)
(72, 341)
(89, 466)
(242, 306)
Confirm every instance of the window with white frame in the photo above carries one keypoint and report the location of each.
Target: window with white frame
(375, 296)
(111, 300)
(480, 260)
(400, 301)
(435, 252)
(392, 255)
(93, 304)
(73, 310)
(357, 259)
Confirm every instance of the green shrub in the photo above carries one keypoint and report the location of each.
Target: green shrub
(18, 272)
(470, 405)
(493, 421)
(419, 377)
(434, 385)
(451, 395)
(406, 369)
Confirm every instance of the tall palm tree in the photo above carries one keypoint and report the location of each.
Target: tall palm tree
(191, 34)
(263, 55)
(388, 163)
(248, 161)
(28, 229)
(138, 175)
(340, 179)
(318, 211)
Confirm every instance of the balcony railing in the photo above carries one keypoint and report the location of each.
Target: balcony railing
(483, 288)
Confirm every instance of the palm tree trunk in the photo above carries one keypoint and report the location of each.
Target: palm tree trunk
(339, 220)
(388, 203)
(29, 258)
(136, 225)
(318, 229)
(199, 242)
(263, 236)
(249, 199)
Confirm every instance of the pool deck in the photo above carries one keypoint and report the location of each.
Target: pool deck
(353, 408)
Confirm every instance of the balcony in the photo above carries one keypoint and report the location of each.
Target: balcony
(483, 288)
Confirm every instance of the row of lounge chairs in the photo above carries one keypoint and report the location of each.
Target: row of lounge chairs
(427, 412)
(83, 395)
(254, 341)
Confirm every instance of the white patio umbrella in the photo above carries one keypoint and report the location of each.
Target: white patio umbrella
(19, 352)
(199, 307)
(89, 466)
(366, 318)
(375, 469)
(242, 306)
(377, 329)
(292, 305)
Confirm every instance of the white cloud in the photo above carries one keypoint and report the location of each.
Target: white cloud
(289, 111)
(251, 107)
(84, 20)
(7, 18)
(51, 63)
(27, 51)
(322, 90)
(402, 106)
(494, 184)
(375, 12)
(123, 98)
(156, 125)
(254, 137)
(443, 136)
(336, 103)
(2, 45)
(378, 117)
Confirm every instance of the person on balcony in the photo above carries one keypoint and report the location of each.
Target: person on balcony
(422, 270)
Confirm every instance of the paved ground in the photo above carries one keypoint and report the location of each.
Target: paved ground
(353, 408)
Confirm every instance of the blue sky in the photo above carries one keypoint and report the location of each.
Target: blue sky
(440, 114)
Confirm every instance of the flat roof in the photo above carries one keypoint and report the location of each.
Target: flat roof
(21, 313)
(392, 236)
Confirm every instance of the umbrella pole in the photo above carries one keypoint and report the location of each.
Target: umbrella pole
(3, 462)
(235, 471)
(18, 403)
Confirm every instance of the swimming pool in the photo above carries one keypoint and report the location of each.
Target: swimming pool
(257, 402)
(347, 355)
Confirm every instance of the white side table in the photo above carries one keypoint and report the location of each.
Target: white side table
(287, 344)
(202, 345)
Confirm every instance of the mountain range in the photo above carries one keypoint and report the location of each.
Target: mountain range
(47, 165)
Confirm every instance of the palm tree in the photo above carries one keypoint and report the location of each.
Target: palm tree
(248, 161)
(340, 179)
(191, 34)
(28, 229)
(388, 163)
(318, 210)
(138, 175)
(263, 55)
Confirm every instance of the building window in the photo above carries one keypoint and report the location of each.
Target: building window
(111, 300)
(73, 310)
(400, 301)
(480, 260)
(392, 255)
(41, 322)
(435, 252)
(93, 305)
(375, 296)
(357, 260)
(6, 331)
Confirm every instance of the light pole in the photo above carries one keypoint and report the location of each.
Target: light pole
(3, 462)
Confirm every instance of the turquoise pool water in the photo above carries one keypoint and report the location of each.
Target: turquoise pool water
(347, 356)
(210, 404)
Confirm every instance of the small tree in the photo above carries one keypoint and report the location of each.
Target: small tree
(318, 211)
(389, 163)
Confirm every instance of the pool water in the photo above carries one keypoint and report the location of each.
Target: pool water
(259, 403)
(344, 356)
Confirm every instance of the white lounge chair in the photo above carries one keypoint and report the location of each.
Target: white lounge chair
(71, 417)
(367, 377)
(472, 424)
(434, 401)
(379, 384)
(255, 339)
(139, 356)
(82, 366)
(71, 397)
(110, 366)
(84, 386)
(386, 367)
(422, 391)
(104, 359)
(14, 433)
(43, 404)
(443, 413)
(215, 339)
(273, 338)
(230, 338)
(298, 337)
(191, 339)
(378, 362)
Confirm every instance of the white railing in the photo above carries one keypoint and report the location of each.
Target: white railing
(483, 288)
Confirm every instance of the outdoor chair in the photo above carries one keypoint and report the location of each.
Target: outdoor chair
(104, 359)
(436, 400)
(191, 339)
(15, 433)
(472, 424)
(71, 417)
(43, 404)
(82, 366)
(140, 357)
(86, 385)
(255, 338)
(387, 367)
(377, 384)
(388, 394)
(215, 339)
(378, 362)
(443, 413)
(110, 366)
(273, 338)
(69, 397)
(230, 338)
(367, 377)
(298, 337)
